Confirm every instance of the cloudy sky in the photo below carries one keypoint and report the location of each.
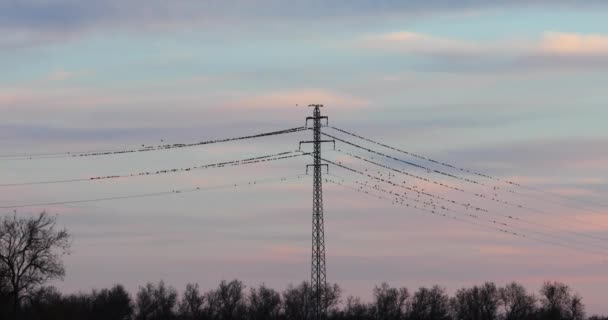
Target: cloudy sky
(517, 91)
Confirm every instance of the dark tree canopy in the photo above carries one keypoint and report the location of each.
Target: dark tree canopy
(31, 249)
(156, 302)
(430, 304)
(230, 300)
(264, 303)
(114, 303)
(476, 303)
(354, 308)
(227, 302)
(557, 302)
(516, 303)
(297, 301)
(192, 303)
(30, 254)
(389, 303)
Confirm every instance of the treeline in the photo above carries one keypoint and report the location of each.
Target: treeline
(233, 301)
(30, 256)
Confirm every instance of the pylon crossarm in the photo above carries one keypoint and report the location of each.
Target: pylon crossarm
(314, 118)
(323, 165)
(320, 141)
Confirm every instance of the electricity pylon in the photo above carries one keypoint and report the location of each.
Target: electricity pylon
(318, 279)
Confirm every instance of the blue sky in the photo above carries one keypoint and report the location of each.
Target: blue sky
(517, 91)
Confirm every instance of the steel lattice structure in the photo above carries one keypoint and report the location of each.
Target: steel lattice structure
(318, 276)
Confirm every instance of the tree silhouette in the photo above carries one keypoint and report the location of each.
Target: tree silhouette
(356, 309)
(227, 302)
(48, 303)
(577, 308)
(389, 303)
(30, 254)
(332, 298)
(297, 301)
(516, 303)
(430, 304)
(156, 302)
(31, 250)
(191, 305)
(476, 303)
(5, 304)
(230, 300)
(114, 303)
(557, 303)
(264, 303)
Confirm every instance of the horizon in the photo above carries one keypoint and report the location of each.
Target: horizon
(512, 91)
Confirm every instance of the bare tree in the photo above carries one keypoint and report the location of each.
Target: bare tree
(430, 304)
(30, 254)
(356, 309)
(156, 302)
(114, 303)
(517, 303)
(558, 302)
(228, 301)
(332, 293)
(264, 303)
(390, 303)
(191, 305)
(476, 303)
(577, 308)
(297, 301)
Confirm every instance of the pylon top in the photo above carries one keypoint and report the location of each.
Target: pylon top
(315, 105)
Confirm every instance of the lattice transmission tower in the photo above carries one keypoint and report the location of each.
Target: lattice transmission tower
(318, 278)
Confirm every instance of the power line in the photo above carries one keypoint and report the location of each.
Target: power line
(253, 160)
(506, 231)
(511, 183)
(412, 189)
(427, 169)
(479, 195)
(499, 201)
(426, 158)
(402, 199)
(433, 206)
(563, 198)
(439, 183)
(144, 148)
(162, 193)
(501, 224)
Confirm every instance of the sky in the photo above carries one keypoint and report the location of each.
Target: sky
(513, 90)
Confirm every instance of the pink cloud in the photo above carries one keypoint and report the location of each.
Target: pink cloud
(406, 41)
(571, 192)
(285, 250)
(550, 43)
(573, 44)
(589, 222)
(420, 43)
